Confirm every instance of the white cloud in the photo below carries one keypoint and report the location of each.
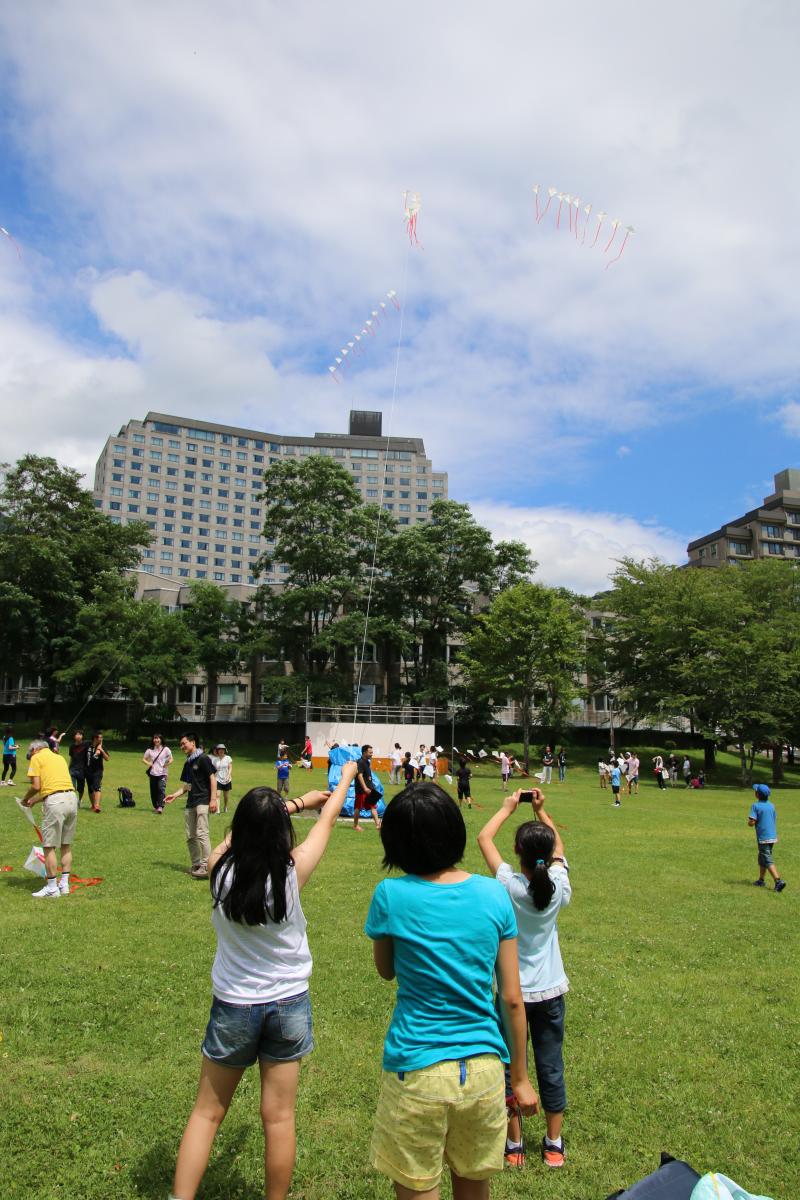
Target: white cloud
(579, 550)
(789, 417)
(234, 188)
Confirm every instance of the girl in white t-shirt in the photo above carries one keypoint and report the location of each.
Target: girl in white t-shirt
(538, 891)
(260, 1008)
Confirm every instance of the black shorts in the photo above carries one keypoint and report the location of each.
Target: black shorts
(224, 787)
(615, 788)
(94, 783)
(463, 791)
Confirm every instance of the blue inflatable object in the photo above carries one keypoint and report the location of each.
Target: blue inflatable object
(337, 757)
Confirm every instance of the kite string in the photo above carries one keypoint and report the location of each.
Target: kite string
(382, 487)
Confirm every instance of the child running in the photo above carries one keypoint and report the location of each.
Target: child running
(443, 933)
(538, 891)
(260, 1007)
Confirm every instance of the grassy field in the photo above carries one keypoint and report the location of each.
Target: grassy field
(682, 1022)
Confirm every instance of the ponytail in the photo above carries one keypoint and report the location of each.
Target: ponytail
(535, 843)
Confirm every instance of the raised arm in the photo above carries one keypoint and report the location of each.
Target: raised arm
(546, 819)
(307, 855)
(492, 856)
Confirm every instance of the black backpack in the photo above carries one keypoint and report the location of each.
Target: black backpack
(674, 1180)
(126, 799)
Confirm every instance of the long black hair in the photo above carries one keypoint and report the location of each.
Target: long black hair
(261, 850)
(535, 843)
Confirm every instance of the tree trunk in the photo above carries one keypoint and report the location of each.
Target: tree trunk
(526, 733)
(211, 695)
(133, 719)
(743, 761)
(777, 762)
(709, 754)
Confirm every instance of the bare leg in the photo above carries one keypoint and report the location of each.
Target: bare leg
(66, 858)
(375, 817)
(404, 1193)
(50, 863)
(469, 1189)
(554, 1123)
(217, 1085)
(773, 870)
(278, 1097)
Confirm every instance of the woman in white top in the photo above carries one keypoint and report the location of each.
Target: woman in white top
(261, 1009)
(157, 758)
(224, 764)
(538, 891)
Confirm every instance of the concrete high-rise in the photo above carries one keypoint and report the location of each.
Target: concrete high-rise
(770, 531)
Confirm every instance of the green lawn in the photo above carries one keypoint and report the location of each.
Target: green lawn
(682, 1022)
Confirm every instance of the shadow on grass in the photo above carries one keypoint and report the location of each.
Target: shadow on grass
(32, 882)
(153, 1173)
(173, 866)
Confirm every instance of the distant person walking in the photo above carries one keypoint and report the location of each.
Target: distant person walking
(659, 770)
(224, 764)
(409, 770)
(687, 771)
(96, 758)
(366, 796)
(282, 768)
(547, 763)
(199, 784)
(50, 783)
(633, 774)
(396, 759)
(463, 776)
(9, 755)
(78, 759)
(602, 771)
(157, 758)
(672, 767)
(616, 783)
(562, 765)
(505, 768)
(763, 819)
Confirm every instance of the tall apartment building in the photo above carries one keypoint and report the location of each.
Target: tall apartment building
(196, 485)
(771, 531)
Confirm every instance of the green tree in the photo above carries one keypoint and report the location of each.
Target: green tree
(435, 574)
(218, 627)
(325, 540)
(718, 647)
(57, 552)
(529, 646)
(119, 641)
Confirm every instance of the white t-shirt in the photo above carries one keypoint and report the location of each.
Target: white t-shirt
(256, 964)
(223, 766)
(504, 764)
(397, 758)
(159, 759)
(540, 966)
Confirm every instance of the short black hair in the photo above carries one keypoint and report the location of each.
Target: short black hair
(190, 736)
(365, 748)
(423, 831)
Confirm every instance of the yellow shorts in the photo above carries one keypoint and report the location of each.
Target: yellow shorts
(453, 1112)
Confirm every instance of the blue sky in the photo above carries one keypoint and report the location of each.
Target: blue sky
(209, 207)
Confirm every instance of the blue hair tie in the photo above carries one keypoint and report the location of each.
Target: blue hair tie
(540, 862)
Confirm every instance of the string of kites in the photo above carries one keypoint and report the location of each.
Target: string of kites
(582, 214)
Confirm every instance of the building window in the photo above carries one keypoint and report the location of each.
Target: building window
(714, 550)
(772, 547)
(200, 574)
(133, 508)
(371, 492)
(773, 531)
(138, 437)
(422, 508)
(422, 495)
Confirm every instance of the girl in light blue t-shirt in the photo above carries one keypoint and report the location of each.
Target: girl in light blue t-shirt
(538, 891)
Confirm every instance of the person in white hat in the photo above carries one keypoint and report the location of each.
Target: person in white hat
(224, 764)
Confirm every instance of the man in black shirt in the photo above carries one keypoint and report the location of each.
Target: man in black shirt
(78, 756)
(366, 796)
(199, 779)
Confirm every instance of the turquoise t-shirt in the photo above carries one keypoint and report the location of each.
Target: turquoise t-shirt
(446, 938)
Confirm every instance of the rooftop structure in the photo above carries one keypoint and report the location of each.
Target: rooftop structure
(770, 531)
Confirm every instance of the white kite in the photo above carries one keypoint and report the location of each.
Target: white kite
(412, 203)
(13, 241)
(355, 347)
(585, 211)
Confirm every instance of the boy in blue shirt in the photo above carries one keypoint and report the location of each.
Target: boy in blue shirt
(764, 819)
(283, 767)
(616, 781)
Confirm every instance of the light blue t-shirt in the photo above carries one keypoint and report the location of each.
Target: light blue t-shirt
(540, 965)
(9, 747)
(446, 938)
(764, 815)
(616, 775)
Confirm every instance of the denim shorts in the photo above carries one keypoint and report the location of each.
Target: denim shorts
(765, 854)
(238, 1034)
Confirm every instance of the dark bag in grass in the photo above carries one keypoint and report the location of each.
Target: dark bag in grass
(126, 799)
(674, 1180)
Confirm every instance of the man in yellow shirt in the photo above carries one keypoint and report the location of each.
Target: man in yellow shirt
(51, 783)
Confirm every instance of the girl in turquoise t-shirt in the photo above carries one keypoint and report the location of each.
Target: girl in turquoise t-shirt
(443, 934)
(9, 754)
(538, 891)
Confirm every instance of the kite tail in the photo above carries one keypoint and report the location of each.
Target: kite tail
(610, 240)
(596, 235)
(570, 218)
(621, 249)
(544, 214)
(558, 218)
(538, 218)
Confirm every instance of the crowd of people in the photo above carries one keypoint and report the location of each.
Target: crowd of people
(477, 960)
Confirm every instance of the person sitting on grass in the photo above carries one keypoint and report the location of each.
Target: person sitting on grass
(260, 1009)
(443, 934)
(538, 891)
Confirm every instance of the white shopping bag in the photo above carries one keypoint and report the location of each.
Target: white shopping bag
(35, 862)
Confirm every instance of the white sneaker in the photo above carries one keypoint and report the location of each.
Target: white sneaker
(46, 894)
(63, 888)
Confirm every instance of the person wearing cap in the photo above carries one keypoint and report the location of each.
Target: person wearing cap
(763, 819)
(224, 764)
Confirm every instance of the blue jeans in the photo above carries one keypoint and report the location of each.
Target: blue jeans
(546, 1027)
(278, 1031)
(562, 773)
